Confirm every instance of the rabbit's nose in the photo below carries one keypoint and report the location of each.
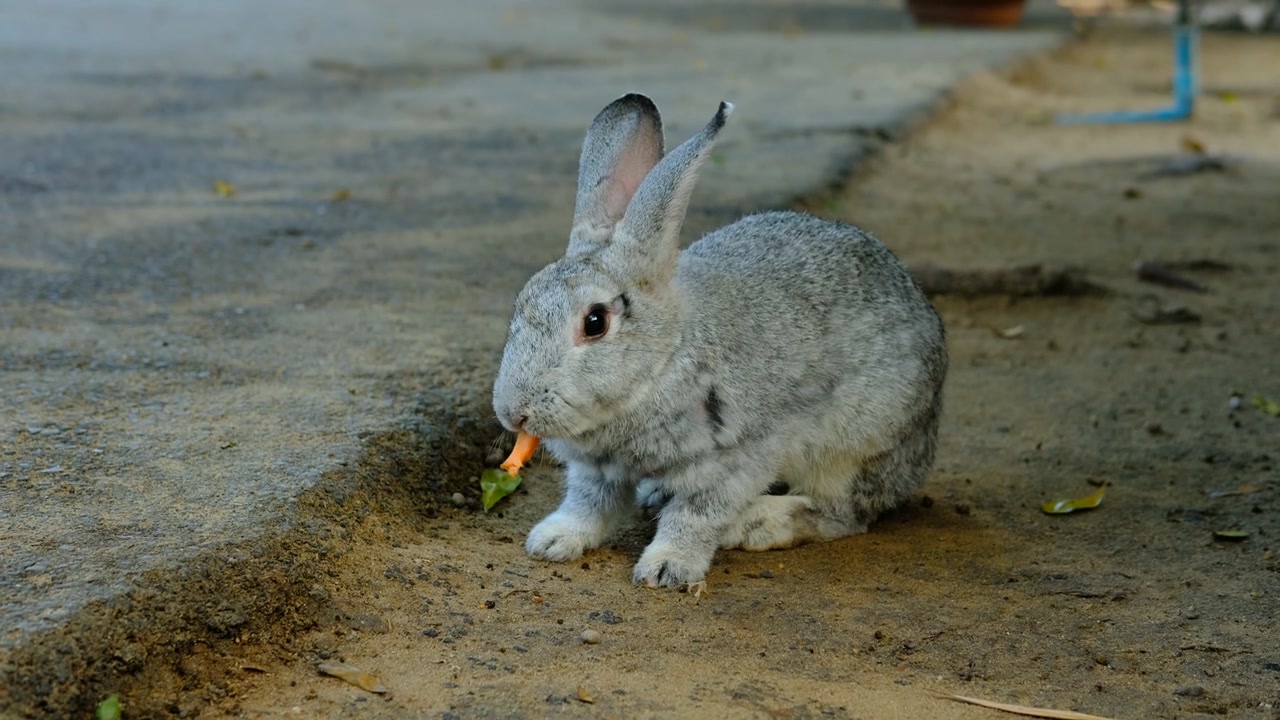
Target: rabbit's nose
(513, 419)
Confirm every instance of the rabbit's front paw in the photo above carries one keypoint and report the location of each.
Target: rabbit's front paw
(561, 537)
(670, 566)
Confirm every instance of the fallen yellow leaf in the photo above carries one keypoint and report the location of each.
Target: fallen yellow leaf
(1062, 507)
(224, 188)
(1192, 145)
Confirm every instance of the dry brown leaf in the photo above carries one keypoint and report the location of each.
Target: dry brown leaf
(1167, 315)
(1193, 145)
(353, 675)
(1012, 333)
(1028, 710)
(1242, 490)
(585, 696)
(1154, 272)
(341, 196)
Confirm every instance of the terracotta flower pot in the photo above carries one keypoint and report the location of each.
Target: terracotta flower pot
(967, 13)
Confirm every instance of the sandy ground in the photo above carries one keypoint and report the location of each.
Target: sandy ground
(1132, 610)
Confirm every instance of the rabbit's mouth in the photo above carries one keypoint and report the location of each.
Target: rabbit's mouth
(553, 417)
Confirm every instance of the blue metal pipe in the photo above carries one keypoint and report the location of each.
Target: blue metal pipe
(1185, 81)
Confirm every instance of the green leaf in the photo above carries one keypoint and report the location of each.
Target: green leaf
(496, 484)
(1062, 507)
(109, 709)
(1270, 407)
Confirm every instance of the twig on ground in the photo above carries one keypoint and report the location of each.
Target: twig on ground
(1027, 710)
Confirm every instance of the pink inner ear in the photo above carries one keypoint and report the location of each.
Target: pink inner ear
(635, 162)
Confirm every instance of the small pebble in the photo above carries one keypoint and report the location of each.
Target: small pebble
(592, 637)
(962, 509)
(490, 604)
(458, 500)
(766, 574)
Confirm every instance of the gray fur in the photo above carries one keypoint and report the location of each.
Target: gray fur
(782, 348)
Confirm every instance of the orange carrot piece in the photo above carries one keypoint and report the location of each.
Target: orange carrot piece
(526, 445)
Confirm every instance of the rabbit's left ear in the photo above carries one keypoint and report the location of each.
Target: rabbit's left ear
(622, 146)
(647, 241)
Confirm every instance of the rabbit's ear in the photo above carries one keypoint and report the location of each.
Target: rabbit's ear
(649, 235)
(622, 146)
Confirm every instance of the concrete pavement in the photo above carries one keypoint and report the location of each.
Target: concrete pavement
(178, 368)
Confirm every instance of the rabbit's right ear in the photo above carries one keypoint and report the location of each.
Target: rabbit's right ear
(622, 146)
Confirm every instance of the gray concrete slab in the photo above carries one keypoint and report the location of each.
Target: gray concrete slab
(177, 367)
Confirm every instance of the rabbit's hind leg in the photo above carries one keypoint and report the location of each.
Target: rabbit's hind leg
(816, 508)
(889, 478)
(834, 495)
(775, 522)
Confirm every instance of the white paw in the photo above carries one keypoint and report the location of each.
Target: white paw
(561, 537)
(771, 522)
(650, 496)
(671, 566)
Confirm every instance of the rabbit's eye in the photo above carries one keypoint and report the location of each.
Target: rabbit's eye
(596, 322)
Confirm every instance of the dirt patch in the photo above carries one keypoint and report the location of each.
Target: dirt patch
(176, 643)
(1131, 610)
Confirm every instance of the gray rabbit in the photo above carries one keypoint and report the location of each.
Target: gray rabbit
(780, 349)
